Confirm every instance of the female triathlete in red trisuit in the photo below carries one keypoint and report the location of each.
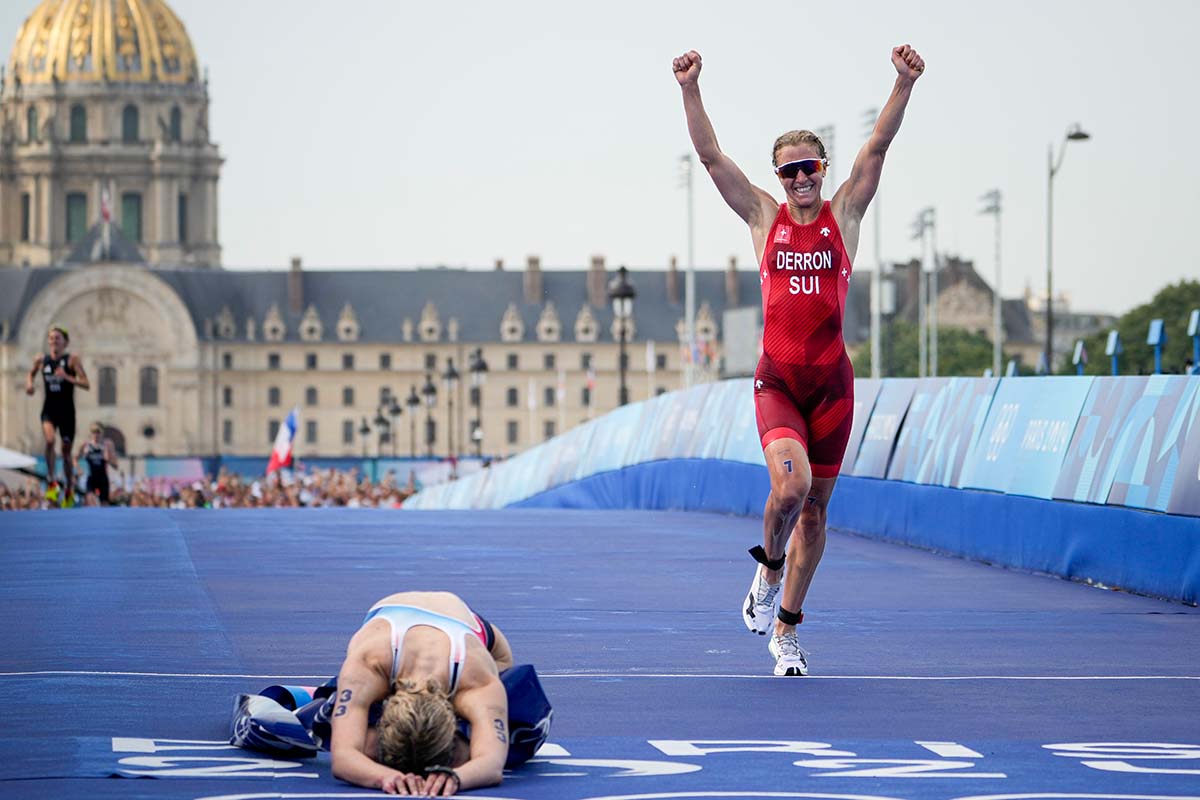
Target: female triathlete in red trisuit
(804, 384)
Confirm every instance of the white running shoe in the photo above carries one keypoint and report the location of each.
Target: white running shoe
(761, 604)
(789, 658)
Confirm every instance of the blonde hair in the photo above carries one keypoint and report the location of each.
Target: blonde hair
(797, 137)
(416, 729)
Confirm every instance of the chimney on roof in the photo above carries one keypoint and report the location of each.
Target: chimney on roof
(499, 265)
(533, 280)
(731, 284)
(597, 283)
(295, 287)
(673, 281)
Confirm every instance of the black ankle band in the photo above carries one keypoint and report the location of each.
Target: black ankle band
(790, 617)
(760, 555)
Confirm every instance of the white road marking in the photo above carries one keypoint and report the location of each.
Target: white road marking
(949, 750)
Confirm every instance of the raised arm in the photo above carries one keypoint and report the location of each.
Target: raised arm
(853, 197)
(742, 196)
(359, 686)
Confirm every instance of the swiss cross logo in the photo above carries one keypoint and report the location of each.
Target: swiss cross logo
(783, 235)
(762, 277)
(845, 273)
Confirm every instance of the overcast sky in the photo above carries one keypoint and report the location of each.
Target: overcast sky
(381, 133)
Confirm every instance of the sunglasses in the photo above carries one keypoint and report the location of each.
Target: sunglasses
(806, 165)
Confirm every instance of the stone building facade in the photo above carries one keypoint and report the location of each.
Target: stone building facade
(103, 113)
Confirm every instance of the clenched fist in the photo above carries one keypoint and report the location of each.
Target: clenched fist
(687, 67)
(908, 62)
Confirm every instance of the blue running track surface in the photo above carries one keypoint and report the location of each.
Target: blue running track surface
(127, 635)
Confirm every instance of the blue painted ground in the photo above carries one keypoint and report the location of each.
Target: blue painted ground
(128, 633)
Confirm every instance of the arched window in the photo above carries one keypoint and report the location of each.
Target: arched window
(148, 386)
(129, 125)
(78, 124)
(176, 124)
(31, 124)
(106, 391)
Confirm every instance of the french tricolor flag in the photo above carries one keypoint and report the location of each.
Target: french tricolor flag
(281, 454)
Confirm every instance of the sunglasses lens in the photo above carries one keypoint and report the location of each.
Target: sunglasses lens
(808, 166)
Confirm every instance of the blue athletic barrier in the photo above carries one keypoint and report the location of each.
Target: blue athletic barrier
(963, 406)
(1020, 440)
(879, 440)
(1024, 441)
(1153, 436)
(920, 426)
(1087, 471)
(866, 392)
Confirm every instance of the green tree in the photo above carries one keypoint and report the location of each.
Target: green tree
(960, 352)
(1173, 305)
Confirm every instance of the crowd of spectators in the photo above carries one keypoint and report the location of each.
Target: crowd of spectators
(305, 489)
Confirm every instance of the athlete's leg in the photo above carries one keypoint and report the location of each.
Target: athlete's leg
(50, 433)
(804, 554)
(68, 467)
(783, 432)
(791, 481)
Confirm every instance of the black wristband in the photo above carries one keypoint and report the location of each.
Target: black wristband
(445, 771)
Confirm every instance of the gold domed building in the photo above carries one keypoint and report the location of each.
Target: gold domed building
(103, 114)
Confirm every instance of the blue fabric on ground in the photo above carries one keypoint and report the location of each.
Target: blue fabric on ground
(632, 618)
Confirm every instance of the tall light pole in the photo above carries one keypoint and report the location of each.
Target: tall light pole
(923, 222)
(412, 401)
(364, 431)
(869, 118)
(933, 293)
(450, 376)
(621, 293)
(826, 136)
(1074, 134)
(429, 390)
(384, 429)
(479, 370)
(689, 282)
(394, 411)
(992, 206)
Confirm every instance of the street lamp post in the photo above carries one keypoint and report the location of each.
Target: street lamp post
(689, 285)
(429, 390)
(925, 320)
(479, 370)
(621, 293)
(364, 431)
(412, 401)
(1074, 134)
(384, 427)
(825, 134)
(992, 201)
(394, 411)
(450, 376)
(869, 118)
